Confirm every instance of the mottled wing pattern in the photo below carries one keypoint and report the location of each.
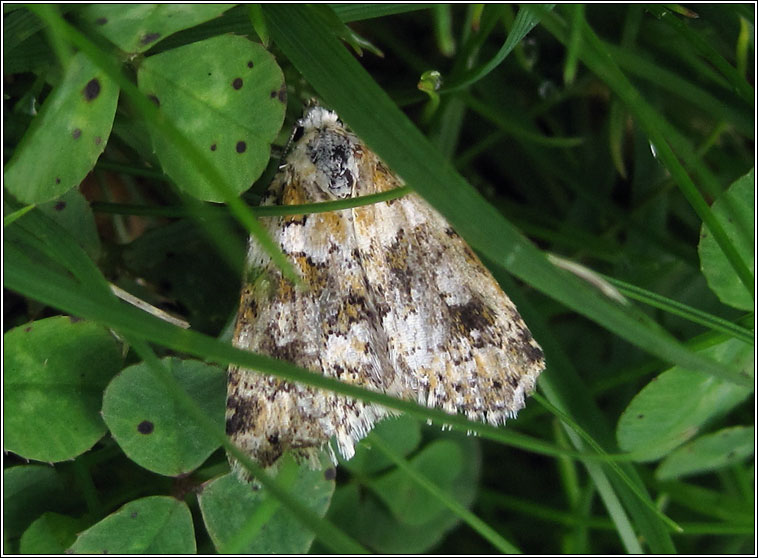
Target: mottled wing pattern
(455, 338)
(395, 301)
(328, 326)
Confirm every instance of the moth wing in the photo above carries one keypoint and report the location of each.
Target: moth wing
(455, 338)
(327, 327)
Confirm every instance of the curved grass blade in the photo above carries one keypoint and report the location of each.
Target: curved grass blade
(350, 90)
(566, 390)
(330, 535)
(683, 310)
(525, 21)
(473, 521)
(150, 113)
(596, 57)
(31, 277)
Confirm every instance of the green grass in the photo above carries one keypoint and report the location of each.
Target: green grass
(619, 138)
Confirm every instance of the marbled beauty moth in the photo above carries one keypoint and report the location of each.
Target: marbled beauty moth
(394, 301)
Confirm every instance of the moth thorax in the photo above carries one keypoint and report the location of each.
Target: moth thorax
(332, 155)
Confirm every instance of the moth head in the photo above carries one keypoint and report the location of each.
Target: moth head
(321, 141)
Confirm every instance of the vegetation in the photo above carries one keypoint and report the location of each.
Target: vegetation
(598, 158)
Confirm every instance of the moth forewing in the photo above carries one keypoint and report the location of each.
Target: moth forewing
(394, 301)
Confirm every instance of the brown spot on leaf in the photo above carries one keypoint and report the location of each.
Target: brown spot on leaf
(60, 206)
(241, 147)
(237, 83)
(330, 474)
(281, 94)
(145, 427)
(213, 147)
(250, 64)
(76, 134)
(148, 38)
(91, 90)
(156, 101)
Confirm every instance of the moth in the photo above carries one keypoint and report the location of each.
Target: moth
(394, 301)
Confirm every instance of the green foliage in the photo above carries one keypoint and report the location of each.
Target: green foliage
(243, 519)
(55, 373)
(442, 462)
(50, 533)
(66, 138)
(151, 428)
(614, 136)
(386, 508)
(72, 212)
(676, 405)
(28, 490)
(239, 85)
(153, 525)
(735, 209)
(403, 432)
(138, 27)
(170, 255)
(708, 453)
